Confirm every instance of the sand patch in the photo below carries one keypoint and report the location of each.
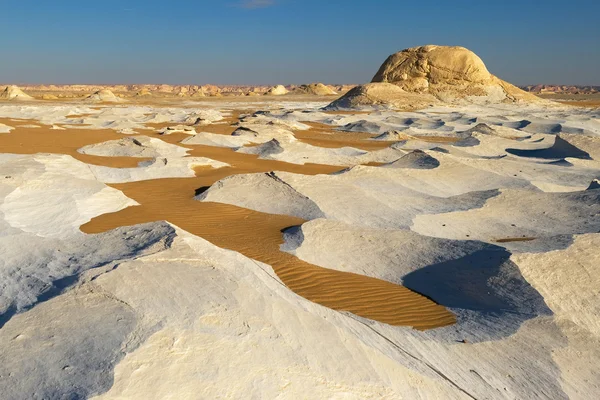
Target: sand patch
(258, 236)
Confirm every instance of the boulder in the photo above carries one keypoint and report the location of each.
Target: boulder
(278, 90)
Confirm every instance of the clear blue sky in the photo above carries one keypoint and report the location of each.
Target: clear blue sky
(288, 41)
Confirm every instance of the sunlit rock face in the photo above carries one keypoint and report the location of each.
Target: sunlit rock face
(430, 74)
(14, 93)
(450, 73)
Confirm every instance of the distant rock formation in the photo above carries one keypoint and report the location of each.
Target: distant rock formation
(104, 95)
(278, 90)
(383, 95)
(139, 91)
(343, 88)
(445, 73)
(14, 93)
(316, 89)
(561, 89)
(143, 93)
(211, 90)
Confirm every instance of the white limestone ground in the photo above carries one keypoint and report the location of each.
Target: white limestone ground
(168, 160)
(5, 128)
(127, 118)
(157, 168)
(151, 311)
(147, 319)
(138, 146)
(501, 181)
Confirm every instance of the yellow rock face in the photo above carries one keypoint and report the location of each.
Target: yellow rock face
(450, 73)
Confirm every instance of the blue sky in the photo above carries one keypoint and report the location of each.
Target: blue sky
(288, 41)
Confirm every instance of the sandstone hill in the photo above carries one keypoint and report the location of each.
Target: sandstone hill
(316, 89)
(104, 95)
(448, 74)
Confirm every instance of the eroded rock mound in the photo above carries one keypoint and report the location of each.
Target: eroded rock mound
(278, 90)
(417, 159)
(104, 95)
(143, 93)
(316, 89)
(283, 198)
(14, 93)
(383, 95)
(449, 74)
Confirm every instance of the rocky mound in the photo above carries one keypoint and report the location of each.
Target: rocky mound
(283, 198)
(14, 93)
(447, 73)
(278, 90)
(315, 89)
(384, 95)
(140, 146)
(143, 93)
(211, 90)
(104, 95)
(266, 149)
(417, 159)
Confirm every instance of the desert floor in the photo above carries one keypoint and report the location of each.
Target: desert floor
(261, 247)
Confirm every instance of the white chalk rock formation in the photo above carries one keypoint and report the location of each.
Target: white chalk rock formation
(384, 95)
(278, 90)
(157, 168)
(5, 128)
(283, 199)
(139, 146)
(143, 93)
(315, 89)
(104, 95)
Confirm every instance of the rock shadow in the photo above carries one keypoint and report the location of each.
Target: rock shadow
(486, 283)
(560, 149)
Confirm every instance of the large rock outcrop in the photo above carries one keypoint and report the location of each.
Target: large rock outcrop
(104, 95)
(449, 74)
